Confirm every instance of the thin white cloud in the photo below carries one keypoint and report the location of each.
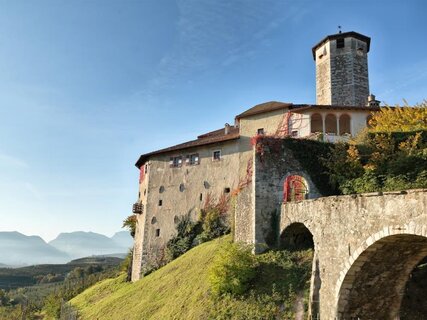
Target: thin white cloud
(213, 35)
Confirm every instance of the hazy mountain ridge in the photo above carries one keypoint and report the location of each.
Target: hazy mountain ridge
(82, 244)
(17, 249)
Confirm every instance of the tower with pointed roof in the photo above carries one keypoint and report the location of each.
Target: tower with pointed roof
(342, 69)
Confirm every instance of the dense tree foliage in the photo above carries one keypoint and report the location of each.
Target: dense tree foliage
(383, 161)
(400, 119)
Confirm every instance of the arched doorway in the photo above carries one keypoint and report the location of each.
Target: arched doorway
(375, 283)
(294, 188)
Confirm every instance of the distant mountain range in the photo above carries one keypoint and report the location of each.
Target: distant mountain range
(17, 249)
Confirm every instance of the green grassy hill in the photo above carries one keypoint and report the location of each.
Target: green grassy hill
(176, 291)
(180, 290)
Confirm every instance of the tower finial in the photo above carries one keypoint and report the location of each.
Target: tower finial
(339, 29)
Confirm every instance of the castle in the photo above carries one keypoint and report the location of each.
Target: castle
(175, 181)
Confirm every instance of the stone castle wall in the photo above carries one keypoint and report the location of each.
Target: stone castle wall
(182, 191)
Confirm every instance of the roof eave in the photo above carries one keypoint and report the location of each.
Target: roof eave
(339, 35)
(143, 158)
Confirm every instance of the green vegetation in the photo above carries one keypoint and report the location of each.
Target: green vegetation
(182, 290)
(46, 287)
(130, 224)
(391, 155)
(400, 119)
(380, 162)
(12, 278)
(311, 154)
(232, 270)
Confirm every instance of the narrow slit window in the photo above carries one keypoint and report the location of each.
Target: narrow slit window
(201, 197)
(157, 232)
(160, 203)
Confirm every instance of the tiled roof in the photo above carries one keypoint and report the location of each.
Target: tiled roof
(205, 139)
(304, 107)
(276, 105)
(352, 34)
(264, 107)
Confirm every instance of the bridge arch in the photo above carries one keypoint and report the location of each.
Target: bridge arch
(373, 281)
(296, 236)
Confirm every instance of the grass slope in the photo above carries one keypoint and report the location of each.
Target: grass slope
(176, 291)
(180, 290)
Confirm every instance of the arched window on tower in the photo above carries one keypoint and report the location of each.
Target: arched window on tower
(331, 124)
(345, 127)
(294, 188)
(316, 123)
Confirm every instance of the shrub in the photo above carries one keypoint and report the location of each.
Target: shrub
(182, 242)
(232, 270)
(212, 223)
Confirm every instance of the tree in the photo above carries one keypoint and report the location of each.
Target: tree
(400, 119)
(130, 224)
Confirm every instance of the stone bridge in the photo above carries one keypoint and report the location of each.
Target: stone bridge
(365, 247)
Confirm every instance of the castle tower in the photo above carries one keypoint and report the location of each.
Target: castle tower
(342, 69)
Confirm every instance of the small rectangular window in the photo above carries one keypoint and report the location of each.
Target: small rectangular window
(227, 190)
(175, 162)
(340, 43)
(260, 131)
(157, 232)
(294, 133)
(201, 197)
(193, 159)
(216, 155)
(160, 203)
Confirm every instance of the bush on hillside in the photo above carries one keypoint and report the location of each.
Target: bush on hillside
(213, 219)
(232, 270)
(182, 241)
(212, 223)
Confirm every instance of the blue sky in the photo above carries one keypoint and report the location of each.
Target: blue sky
(87, 86)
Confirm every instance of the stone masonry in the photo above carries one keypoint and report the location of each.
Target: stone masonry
(365, 249)
(342, 70)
